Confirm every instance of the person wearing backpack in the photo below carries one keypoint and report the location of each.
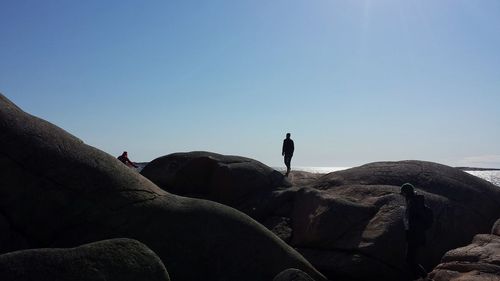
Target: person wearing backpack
(417, 219)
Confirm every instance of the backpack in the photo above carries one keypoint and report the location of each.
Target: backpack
(424, 213)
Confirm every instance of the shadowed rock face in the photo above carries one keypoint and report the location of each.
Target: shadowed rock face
(349, 223)
(230, 180)
(475, 262)
(336, 236)
(58, 192)
(496, 228)
(352, 219)
(115, 259)
(292, 274)
(353, 232)
(441, 180)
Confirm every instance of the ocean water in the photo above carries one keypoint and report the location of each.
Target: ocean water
(319, 170)
(492, 176)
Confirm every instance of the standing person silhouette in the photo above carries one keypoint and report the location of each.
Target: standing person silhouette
(287, 151)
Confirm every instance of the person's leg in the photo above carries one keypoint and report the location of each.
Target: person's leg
(287, 163)
(417, 270)
(411, 256)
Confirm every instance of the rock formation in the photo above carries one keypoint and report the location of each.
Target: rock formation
(58, 192)
(111, 260)
(292, 274)
(475, 262)
(230, 180)
(349, 224)
(360, 211)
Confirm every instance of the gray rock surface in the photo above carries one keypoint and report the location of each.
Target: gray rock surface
(496, 228)
(59, 192)
(230, 180)
(111, 260)
(354, 232)
(349, 224)
(292, 274)
(477, 261)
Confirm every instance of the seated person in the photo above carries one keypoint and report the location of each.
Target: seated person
(124, 159)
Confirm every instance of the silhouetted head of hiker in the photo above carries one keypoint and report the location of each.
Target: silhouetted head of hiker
(407, 190)
(124, 153)
(288, 135)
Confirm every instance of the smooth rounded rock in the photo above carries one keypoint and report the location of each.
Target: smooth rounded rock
(292, 274)
(226, 179)
(495, 230)
(111, 260)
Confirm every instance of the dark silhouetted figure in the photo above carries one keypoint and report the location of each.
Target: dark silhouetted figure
(416, 223)
(287, 151)
(124, 159)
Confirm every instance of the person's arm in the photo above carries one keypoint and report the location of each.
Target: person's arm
(283, 149)
(293, 146)
(130, 162)
(133, 164)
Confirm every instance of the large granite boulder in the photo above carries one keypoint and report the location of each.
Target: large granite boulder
(115, 259)
(350, 223)
(230, 180)
(477, 261)
(57, 191)
(352, 233)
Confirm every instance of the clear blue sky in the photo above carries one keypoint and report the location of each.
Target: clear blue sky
(353, 81)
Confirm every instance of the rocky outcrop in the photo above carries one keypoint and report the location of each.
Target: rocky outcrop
(292, 274)
(475, 262)
(496, 228)
(57, 191)
(116, 259)
(230, 180)
(349, 223)
(355, 232)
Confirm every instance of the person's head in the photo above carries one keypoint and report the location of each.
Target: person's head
(124, 153)
(407, 190)
(287, 135)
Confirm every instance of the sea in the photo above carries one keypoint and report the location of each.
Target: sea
(492, 176)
